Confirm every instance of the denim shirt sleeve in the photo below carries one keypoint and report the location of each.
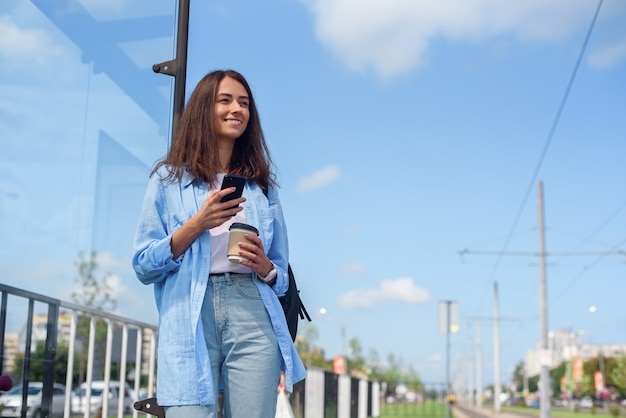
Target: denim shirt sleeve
(278, 251)
(153, 258)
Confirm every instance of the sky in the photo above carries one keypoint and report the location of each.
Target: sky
(409, 139)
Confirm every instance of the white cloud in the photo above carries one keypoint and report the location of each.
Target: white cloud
(319, 179)
(393, 36)
(108, 262)
(24, 45)
(116, 286)
(608, 56)
(352, 269)
(398, 290)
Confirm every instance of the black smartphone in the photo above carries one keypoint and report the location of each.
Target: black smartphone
(238, 182)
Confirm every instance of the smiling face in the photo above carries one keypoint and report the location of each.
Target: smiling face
(232, 111)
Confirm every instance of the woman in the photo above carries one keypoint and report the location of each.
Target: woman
(221, 326)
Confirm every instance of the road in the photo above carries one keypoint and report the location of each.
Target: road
(466, 411)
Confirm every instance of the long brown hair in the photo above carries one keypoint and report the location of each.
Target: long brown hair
(194, 147)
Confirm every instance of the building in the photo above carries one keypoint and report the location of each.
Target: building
(565, 345)
(15, 342)
(11, 348)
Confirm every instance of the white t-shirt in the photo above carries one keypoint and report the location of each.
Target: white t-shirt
(219, 240)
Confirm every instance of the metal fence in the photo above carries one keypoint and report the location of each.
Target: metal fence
(124, 344)
(328, 395)
(117, 346)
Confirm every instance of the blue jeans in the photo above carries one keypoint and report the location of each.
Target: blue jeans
(243, 349)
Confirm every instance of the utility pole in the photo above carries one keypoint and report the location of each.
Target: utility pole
(497, 386)
(496, 344)
(546, 353)
(470, 372)
(479, 367)
(448, 322)
(448, 319)
(546, 356)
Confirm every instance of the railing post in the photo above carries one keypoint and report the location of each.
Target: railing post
(48, 359)
(70, 366)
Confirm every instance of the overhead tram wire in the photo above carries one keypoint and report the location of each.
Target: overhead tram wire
(544, 151)
(616, 250)
(586, 269)
(603, 224)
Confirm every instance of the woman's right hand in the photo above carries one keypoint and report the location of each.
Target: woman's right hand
(214, 213)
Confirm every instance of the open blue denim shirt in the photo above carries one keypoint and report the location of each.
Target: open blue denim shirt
(184, 372)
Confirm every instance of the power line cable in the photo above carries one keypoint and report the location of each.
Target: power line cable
(584, 270)
(602, 225)
(544, 151)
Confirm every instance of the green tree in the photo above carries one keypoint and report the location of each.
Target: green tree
(376, 368)
(94, 292)
(37, 363)
(519, 376)
(557, 374)
(356, 360)
(533, 383)
(311, 355)
(618, 374)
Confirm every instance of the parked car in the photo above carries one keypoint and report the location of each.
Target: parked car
(79, 398)
(515, 401)
(533, 403)
(11, 401)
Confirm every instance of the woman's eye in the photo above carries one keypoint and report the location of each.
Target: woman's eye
(243, 104)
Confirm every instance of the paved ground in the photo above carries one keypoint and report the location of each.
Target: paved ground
(467, 411)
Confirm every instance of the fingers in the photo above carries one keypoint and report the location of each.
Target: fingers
(252, 250)
(215, 197)
(214, 213)
(220, 194)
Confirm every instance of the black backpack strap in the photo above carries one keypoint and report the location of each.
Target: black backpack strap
(303, 312)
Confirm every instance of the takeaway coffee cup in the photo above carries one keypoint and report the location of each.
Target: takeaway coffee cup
(236, 235)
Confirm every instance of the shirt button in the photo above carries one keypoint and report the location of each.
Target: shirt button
(268, 302)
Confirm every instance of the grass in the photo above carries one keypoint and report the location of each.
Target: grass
(566, 413)
(432, 409)
(428, 409)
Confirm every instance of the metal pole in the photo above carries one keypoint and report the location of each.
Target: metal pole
(448, 302)
(181, 62)
(544, 402)
(479, 367)
(177, 67)
(344, 348)
(470, 372)
(497, 385)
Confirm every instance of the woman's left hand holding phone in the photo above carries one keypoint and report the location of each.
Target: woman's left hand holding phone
(212, 213)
